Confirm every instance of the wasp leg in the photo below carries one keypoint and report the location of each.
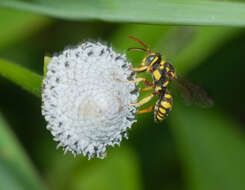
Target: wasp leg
(140, 69)
(137, 80)
(148, 83)
(147, 110)
(146, 89)
(143, 101)
(140, 79)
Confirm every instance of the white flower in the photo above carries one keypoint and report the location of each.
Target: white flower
(85, 98)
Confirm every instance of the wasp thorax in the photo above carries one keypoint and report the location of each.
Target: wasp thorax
(170, 71)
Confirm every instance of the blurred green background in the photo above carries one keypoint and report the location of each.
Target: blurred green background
(193, 149)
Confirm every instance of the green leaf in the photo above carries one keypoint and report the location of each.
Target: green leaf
(212, 149)
(139, 11)
(21, 76)
(16, 25)
(16, 170)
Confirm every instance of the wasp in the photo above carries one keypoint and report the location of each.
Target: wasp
(163, 73)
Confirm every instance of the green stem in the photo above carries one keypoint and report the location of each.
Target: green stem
(25, 78)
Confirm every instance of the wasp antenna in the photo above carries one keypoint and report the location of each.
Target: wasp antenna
(141, 43)
(140, 49)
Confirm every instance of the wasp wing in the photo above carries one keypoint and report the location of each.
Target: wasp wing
(192, 93)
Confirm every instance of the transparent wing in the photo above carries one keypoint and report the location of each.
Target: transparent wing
(192, 93)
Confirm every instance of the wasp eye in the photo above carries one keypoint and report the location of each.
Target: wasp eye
(149, 59)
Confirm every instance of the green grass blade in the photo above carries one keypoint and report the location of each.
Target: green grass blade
(212, 149)
(21, 76)
(139, 11)
(16, 170)
(17, 25)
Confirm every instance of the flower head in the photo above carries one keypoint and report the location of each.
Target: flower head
(85, 96)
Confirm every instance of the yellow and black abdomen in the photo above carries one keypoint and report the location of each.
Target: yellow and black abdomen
(163, 106)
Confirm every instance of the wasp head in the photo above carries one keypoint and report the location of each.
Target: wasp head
(151, 60)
